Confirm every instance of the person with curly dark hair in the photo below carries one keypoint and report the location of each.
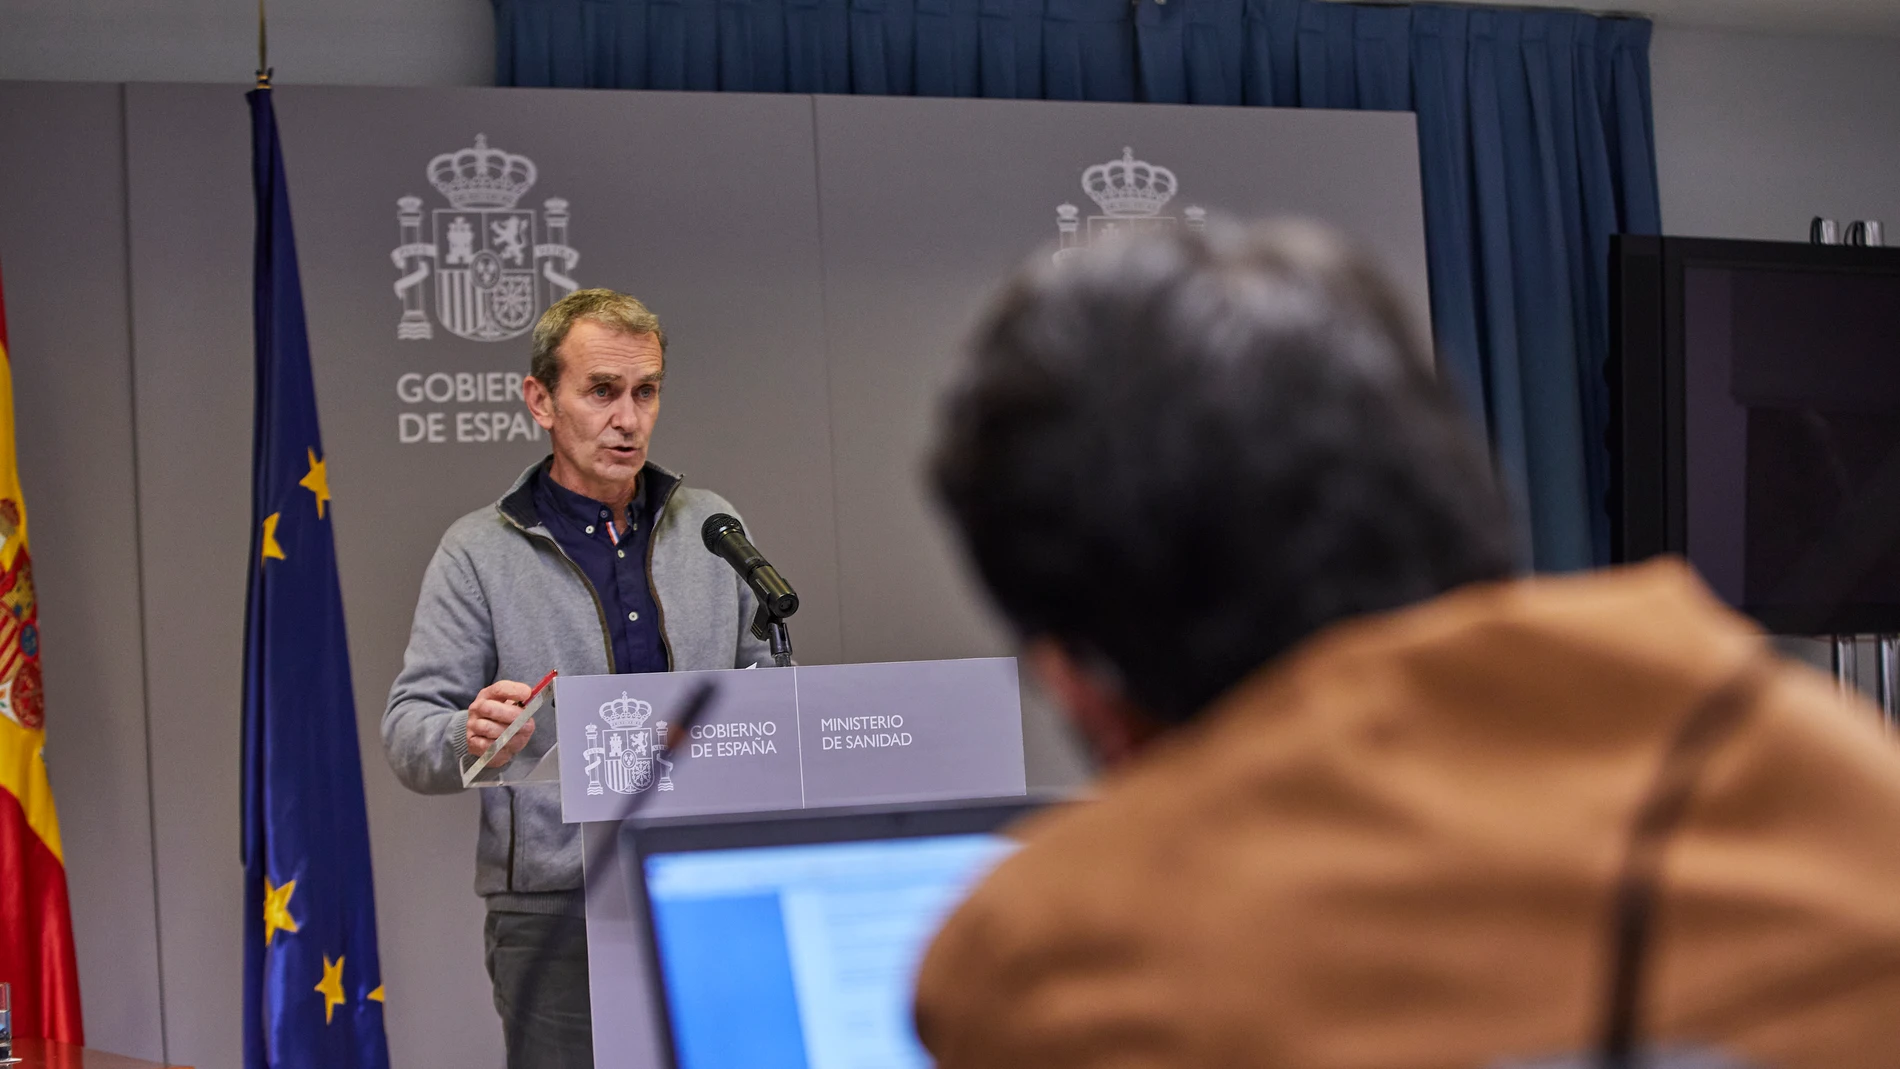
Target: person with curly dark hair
(1374, 798)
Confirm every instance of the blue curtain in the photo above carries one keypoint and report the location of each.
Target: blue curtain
(1535, 145)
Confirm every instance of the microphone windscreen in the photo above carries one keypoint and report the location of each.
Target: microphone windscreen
(717, 524)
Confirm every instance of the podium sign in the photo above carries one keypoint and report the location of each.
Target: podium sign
(789, 738)
(769, 739)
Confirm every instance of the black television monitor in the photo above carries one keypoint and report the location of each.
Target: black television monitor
(1755, 423)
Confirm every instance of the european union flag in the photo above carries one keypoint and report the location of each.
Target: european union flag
(313, 993)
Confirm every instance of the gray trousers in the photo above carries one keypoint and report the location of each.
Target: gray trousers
(538, 965)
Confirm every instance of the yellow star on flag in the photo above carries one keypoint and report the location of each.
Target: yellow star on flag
(317, 482)
(271, 548)
(277, 909)
(331, 988)
(376, 995)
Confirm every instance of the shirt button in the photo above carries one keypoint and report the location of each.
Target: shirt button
(590, 529)
(634, 616)
(603, 514)
(620, 552)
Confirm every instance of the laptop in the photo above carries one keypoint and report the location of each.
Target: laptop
(792, 941)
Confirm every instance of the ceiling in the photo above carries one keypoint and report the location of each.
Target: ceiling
(1874, 17)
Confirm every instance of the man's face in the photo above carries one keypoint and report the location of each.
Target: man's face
(600, 414)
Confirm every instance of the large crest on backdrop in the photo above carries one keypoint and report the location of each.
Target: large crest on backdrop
(496, 265)
(1132, 194)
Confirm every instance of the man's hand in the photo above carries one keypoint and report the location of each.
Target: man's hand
(490, 714)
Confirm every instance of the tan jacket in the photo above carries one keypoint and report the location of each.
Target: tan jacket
(1397, 847)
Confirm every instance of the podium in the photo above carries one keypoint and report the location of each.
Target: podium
(762, 740)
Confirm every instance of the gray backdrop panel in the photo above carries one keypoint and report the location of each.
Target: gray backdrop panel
(62, 242)
(928, 203)
(800, 381)
(726, 249)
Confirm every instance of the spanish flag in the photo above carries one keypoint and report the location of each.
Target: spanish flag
(36, 923)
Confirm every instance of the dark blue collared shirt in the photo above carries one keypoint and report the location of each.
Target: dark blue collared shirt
(617, 568)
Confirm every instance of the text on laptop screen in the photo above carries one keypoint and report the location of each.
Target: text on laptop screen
(804, 957)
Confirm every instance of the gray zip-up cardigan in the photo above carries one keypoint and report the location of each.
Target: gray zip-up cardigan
(500, 600)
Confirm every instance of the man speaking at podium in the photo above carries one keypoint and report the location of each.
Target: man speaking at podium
(590, 564)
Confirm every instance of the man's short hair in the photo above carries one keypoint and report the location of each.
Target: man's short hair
(612, 309)
(1178, 456)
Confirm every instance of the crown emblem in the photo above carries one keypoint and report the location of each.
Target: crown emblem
(1131, 194)
(482, 177)
(625, 714)
(1128, 186)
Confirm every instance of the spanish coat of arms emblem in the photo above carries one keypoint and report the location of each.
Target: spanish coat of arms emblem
(493, 274)
(21, 699)
(627, 751)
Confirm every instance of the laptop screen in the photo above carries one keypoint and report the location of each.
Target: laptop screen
(804, 957)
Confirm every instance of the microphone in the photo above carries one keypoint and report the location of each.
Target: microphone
(726, 537)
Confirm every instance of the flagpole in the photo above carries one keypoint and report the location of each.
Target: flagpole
(263, 50)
